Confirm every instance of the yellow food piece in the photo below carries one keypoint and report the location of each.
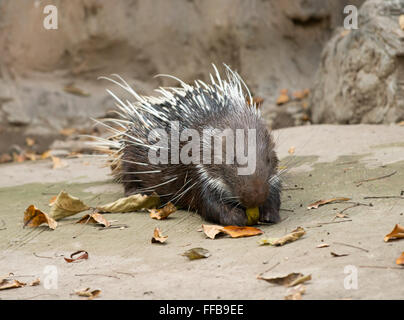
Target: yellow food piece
(253, 215)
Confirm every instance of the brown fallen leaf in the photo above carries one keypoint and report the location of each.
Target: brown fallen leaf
(291, 150)
(290, 237)
(71, 88)
(57, 163)
(196, 253)
(296, 293)
(10, 284)
(30, 156)
(323, 245)
(36, 282)
(283, 97)
(46, 155)
(5, 157)
(33, 217)
(212, 230)
(87, 293)
(319, 203)
(94, 217)
(401, 123)
(290, 280)
(83, 256)
(158, 236)
(162, 213)
(66, 205)
(341, 215)
(397, 233)
(29, 141)
(237, 232)
(339, 255)
(301, 94)
(400, 260)
(132, 203)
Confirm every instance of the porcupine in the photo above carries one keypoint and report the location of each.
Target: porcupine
(215, 190)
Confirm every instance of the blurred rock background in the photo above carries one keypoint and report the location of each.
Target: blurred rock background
(292, 50)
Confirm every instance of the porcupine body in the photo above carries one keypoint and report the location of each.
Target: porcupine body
(190, 178)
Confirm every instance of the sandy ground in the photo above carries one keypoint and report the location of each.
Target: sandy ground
(125, 265)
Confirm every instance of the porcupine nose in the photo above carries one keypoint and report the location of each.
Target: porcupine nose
(254, 196)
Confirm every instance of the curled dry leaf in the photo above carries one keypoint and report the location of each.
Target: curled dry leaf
(400, 260)
(10, 284)
(34, 217)
(397, 233)
(319, 203)
(57, 163)
(163, 213)
(36, 282)
(196, 253)
(94, 217)
(296, 293)
(211, 230)
(132, 203)
(66, 205)
(283, 97)
(290, 237)
(158, 236)
(83, 256)
(87, 293)
(290, 280)
(237, 232)
(338, 254)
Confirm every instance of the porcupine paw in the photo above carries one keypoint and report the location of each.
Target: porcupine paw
(269, 211)
(233, 217)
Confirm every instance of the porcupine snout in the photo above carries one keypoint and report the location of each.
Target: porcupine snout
(254, 193)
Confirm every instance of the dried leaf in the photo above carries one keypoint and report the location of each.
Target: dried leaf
(397, 233)
(5, 157)
(33, 217)
(70, 88)
(291, 150)
(341, 215)
(58, 163)
(83, 256)
(212, 230)
(301, 94)
(318, 203)
(323, 245)
(52, 201)
(290, 237)
(401, 21)
(290, 280)
(158, 236)
(46, 154)
(36, 282)
(66, 205)
(338, 255)
(8, 284)
(283, 97)
(29, 141)
(296, 293)
(87, 293)
(163, 213)
(196, 253)
(237, 232)
(400, 260)
(94, 217)
(131, 203)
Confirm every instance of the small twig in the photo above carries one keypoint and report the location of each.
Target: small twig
(320, 224)
(352, 246)
(358, 183)
(382, 267)
(96, 274)
(288, 210)
(273, 267)
(295, 188)
(384, 197)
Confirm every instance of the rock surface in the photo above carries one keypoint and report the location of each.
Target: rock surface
(361, 75)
